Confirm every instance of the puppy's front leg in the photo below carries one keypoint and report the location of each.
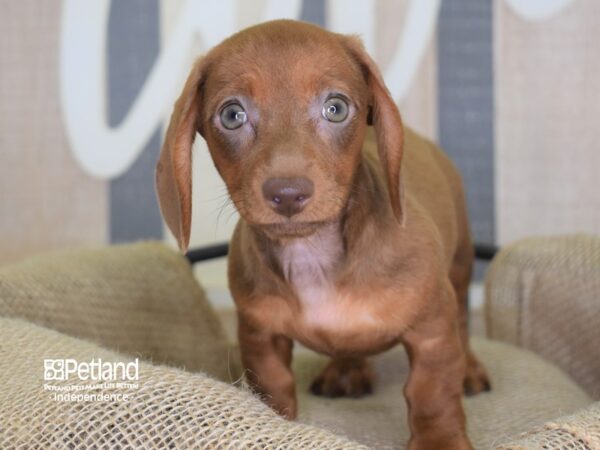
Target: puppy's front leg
(267, 359)
(435, 384)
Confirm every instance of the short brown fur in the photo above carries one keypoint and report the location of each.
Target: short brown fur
(375, 258)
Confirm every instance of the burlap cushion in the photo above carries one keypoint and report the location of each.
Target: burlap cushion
(171, 408)
(140, 299)
(543, 294)
(527, 391)
(579, 431)
(175, 408)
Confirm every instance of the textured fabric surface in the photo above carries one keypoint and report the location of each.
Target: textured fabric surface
(171, 408)
(175, 408)
(546, 152)
(143, 301)
(47, 200)
(527, 391)
(543, 294)
(139, 299)
(579, 431)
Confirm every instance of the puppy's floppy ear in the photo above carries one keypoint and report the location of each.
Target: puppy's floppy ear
(174, 167)
(385, 118)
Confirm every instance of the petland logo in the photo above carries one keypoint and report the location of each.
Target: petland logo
(94, 370)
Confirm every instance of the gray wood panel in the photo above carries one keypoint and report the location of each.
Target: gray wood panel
(133, 44)
(466, 103)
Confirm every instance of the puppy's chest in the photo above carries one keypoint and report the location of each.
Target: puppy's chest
(329, 318)
(310, 268)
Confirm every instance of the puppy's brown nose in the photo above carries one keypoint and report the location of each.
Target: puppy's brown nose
(288, 196)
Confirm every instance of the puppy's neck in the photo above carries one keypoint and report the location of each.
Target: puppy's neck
(311, 261)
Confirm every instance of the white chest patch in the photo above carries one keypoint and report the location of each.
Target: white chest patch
(309, 264)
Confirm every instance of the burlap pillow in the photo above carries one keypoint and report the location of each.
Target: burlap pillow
(170, 408)
(526, 392)
(579, 431)
(543, 294)
(140, 299)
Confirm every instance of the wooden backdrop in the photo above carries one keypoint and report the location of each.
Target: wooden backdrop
(514, 100)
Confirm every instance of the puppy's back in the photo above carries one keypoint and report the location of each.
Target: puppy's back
(431, 183)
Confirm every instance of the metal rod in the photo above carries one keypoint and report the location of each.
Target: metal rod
(205, 253)
(485, 252)
(482, 251)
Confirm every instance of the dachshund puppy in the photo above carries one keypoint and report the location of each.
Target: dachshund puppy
(353, 234)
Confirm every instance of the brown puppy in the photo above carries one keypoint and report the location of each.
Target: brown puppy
(336, 248)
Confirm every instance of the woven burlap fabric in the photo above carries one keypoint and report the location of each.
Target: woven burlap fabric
(543, 294)
(171, 408)
(527, 392)
(140, 299)
(579, 431)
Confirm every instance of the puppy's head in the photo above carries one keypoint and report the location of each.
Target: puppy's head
(283, 107)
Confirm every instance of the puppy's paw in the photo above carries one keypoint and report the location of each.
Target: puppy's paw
(476, 378)
(348, 377)
(287, 407)
(288, 411)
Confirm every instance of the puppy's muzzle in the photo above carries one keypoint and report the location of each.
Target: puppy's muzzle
(288, 196)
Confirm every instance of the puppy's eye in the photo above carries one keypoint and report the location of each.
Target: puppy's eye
(233, 116)
(335, 109)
